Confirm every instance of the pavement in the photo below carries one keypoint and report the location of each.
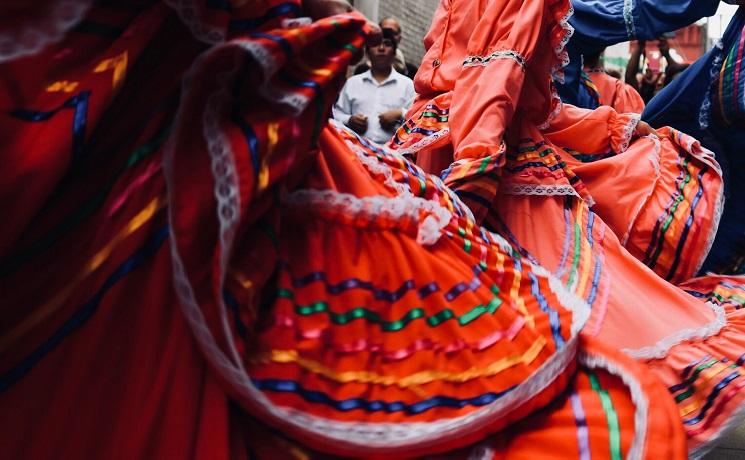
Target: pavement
(731, 448)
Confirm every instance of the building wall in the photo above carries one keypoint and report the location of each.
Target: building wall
(415, 17)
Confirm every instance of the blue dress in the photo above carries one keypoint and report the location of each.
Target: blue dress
(601, 23)
(706, 102)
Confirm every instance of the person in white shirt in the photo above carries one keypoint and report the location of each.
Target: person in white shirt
(374, 103)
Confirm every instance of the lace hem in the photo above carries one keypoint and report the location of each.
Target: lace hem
(661, 348)
(188, 12)
(368, 209)
(30, 38)
(473, 61)
(423, 143)
(628, 132)
(704, 114)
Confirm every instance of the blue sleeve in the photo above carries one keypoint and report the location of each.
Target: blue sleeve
(601, 23)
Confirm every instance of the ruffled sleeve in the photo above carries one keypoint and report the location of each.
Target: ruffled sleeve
(593, 131)
(492, 77)
(627, 99)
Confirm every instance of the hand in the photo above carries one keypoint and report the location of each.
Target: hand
(318, 9)
(664, 46)
(389, 120)
(358, 123)
(644, 129)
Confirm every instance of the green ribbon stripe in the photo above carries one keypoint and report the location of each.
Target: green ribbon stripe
(611, 416)
(393, 326)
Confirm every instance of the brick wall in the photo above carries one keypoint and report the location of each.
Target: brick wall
(415, 17)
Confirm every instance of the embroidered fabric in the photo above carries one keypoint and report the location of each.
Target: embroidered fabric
(188, 12)
(704, 114)
(628, 17)
(661, 348)
(542, 190)
(473, 61)
(50, 26)
(370, 208)
(376, 438)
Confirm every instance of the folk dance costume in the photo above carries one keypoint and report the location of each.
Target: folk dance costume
(201, 265)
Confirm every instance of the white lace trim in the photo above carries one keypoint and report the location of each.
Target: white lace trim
(628, 17)
(704, 114)
(50, 27)
(654, 158)
(662, 348)
(371, 207)
(562, 55)
(708, 157)
(188, 12)
(540, 190)
(628, 132)
(294, 101)
(473, 61)
(425, 142)
(641, 404)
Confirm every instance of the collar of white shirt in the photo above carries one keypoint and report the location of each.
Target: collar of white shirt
(392, 78)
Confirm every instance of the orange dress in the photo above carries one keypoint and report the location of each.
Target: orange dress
(204, 267)
(615, 93)
(610, 217)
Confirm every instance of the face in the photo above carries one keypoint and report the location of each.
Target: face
(394, 26)
(382, 55)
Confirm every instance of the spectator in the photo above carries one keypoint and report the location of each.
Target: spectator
(611, 91)
(374, 102)
(390, 23)
(652, 80)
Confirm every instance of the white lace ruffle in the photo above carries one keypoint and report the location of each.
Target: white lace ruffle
(560, 51)
(473, 61)
(188, 12)
(369, 209)
(425, 142)
(662, 348)
(628, 132)
(49, 27)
